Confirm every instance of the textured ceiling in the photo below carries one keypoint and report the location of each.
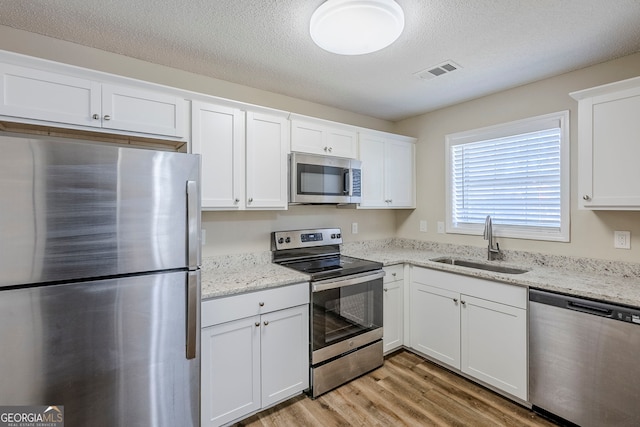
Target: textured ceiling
(265, 44)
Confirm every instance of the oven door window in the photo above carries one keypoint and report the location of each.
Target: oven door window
(321, 180)
(342, 313)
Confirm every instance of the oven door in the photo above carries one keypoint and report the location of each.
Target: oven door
(346, 314)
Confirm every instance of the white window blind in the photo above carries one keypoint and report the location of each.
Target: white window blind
(517, 178)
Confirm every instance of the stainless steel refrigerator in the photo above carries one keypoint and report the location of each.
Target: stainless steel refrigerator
(100, 282)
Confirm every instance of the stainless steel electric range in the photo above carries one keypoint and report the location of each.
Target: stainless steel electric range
(346, 305)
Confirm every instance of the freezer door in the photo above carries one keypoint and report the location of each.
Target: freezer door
(113, 352)
(75, 210)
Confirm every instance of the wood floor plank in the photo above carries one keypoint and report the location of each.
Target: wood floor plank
(407, 391)
(491, 404)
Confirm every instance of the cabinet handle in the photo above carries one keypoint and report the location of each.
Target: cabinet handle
(586, 197)
(394, 274)
(455, 300)
(266, 322)
(250, 199)
(257, 324)
(261, 304)
(463, 302)
(326, 149)
(330, 149)
(386, 289)
(107, 117)
(236, 201)
(95, 117)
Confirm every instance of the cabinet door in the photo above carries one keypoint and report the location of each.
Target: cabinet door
(230, 372)
(307, 137)
(435, 323)
(136, 110)
(218, 136)
(608, 151)
(267, 148)
(399, 174)
(341, 142)
(494, 344)
(285, 353)
(372, 154)
(392, 315)
(41, 95)
(317, 138)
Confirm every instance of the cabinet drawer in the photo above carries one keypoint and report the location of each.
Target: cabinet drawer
(226, 309)
(393, 273)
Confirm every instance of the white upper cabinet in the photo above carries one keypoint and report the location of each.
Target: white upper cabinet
(218, 136)
(609, 146)
(267, 150)
(138, 110)
(388, 170)
(316, 136)
(244, 157)
(57, 99)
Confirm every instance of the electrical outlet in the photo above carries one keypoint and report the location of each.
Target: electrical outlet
(440, 227)
(622, 239)
(354, 228)
(423, 225)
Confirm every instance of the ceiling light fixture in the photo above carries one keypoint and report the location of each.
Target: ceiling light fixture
(356, 27)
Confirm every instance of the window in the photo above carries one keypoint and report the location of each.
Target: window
(516, 172)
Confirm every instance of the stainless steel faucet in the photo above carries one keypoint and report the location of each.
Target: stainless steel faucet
(492, 253)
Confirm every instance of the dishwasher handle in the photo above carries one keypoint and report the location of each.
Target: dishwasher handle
(589, 308)
(608, 310)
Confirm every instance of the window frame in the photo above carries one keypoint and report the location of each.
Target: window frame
(512, 128)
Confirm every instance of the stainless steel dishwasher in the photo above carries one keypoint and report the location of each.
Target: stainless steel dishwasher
(584, 360)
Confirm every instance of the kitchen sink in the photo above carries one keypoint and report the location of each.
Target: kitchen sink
(479, 265)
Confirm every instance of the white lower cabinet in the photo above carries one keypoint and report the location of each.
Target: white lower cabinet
(253, 362)
(435, 323)
(473, 325)
(392, 309)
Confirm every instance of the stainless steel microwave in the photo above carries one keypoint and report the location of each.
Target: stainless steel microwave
(324, 180)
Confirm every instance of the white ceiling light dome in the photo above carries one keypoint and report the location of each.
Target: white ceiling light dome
(356, 27)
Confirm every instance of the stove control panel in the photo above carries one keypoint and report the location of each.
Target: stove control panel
(305, 238)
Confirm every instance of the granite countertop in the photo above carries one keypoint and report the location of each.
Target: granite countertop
(236, 274)
(616, 282)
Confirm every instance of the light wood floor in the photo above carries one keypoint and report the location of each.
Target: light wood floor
(406, 391)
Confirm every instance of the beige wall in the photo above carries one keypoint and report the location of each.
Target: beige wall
(238, 232)
(591, 231)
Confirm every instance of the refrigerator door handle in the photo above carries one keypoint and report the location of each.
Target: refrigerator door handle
(193, 226)
(193, 280)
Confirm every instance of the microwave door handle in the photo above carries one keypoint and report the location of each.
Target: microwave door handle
(347, 182)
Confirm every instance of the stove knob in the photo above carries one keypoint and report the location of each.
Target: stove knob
(281, 240)
(333, 236)
(338, 235)
(288, 240)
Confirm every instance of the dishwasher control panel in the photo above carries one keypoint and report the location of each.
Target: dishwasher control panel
(627, 317)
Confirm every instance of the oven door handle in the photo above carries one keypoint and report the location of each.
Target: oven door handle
(341, 282)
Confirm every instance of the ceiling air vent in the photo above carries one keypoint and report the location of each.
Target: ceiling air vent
(437, 70)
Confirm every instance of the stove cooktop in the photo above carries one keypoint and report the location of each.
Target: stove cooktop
(332, 266)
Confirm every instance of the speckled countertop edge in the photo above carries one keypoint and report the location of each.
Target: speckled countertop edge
(615, 282)
(236, 274)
